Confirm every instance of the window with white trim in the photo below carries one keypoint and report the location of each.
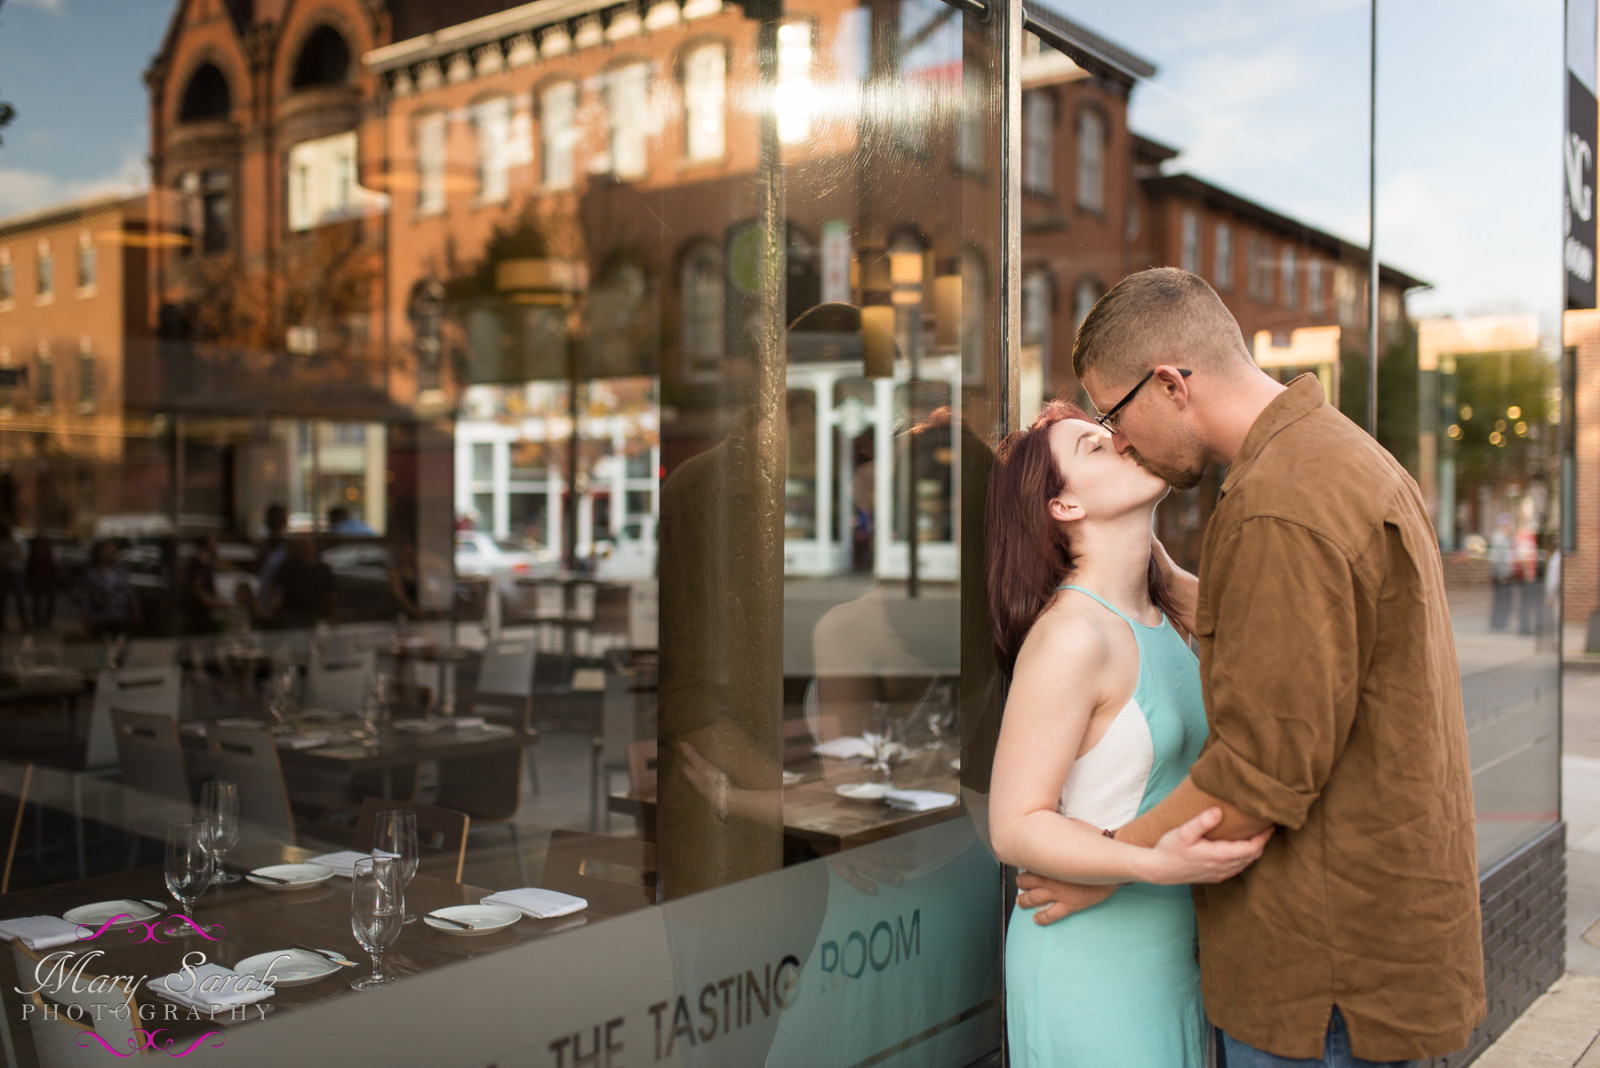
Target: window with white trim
(432, 130)
(1091, 160)
(1085, 295)
(87, 391)
(701, 326)
(322, 181)
(628, 116)
(705, 93)
(1189, 252)
(1316, 299)
(45, 276)
(491, 120)
(86, 261)
(8, 278)
(558, 134)
(1291, 278)
(1222, 258)
(792, 97)
(1039, 141)
(44, 379)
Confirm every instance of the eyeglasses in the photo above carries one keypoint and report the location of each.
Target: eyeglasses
(1107, 420)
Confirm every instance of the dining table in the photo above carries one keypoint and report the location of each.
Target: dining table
(815, 812)
(247, 919)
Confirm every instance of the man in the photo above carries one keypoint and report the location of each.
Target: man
(1331, 687)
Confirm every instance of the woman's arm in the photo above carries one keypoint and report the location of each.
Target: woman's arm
(1040, 733)
(1183, 587)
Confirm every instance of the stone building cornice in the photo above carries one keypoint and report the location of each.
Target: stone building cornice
(520, 36)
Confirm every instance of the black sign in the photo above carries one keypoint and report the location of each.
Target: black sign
(1579, 166)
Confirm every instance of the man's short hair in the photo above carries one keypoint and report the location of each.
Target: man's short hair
(1162, 315)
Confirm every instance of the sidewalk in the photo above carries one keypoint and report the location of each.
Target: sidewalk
(1562, 1028)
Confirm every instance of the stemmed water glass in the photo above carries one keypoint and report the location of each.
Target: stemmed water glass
(881, 737)
(377, 912)
(280, 697)
(394, 835)
(377, 702)
(189, 866)
(219, 806)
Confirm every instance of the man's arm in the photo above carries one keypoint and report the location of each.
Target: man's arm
(1183, 804)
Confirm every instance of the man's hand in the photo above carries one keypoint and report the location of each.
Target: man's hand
(1056, 900)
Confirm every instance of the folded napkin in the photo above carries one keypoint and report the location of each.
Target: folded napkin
(342, 863)
(41, 932)
(239, 721)
(463, 722)
(304, 741)
(211, 988)
(919, 800)
(420, 726)
(537, 903)
(843, 748)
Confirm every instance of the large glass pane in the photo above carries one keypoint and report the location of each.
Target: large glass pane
(568, 421)
(1487, 383)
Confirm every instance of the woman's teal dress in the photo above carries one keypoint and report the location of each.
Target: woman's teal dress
(1118, 985)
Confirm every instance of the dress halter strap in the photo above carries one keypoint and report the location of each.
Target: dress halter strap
(1107, 604)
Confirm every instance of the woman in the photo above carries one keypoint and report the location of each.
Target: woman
(105, 596)
(1103, 718)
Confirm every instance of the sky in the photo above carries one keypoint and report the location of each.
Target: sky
(1263, 97)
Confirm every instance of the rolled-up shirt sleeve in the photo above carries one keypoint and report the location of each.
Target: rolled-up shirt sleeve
(1279, 630)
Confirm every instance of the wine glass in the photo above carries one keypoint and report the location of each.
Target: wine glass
(881, 738)
(377, 912)
(376, 705)
(394, 835)
(280, 696)
(219, 806)
(189, 866)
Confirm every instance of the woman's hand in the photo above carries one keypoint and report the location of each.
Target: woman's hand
(1185, 855)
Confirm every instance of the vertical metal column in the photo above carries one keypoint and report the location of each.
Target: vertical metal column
(1372, 226)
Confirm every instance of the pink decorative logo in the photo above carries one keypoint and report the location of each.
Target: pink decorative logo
(151, 927)
(149, 1040)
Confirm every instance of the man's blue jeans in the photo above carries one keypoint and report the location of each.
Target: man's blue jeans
(1335, 1052)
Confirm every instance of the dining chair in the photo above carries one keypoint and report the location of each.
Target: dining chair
(99, 1000)
(151, 652)
(147, 689)
(441, 834)
(341, 684)
(154, 775)
(15, 779)
(488, 789)
(618, 731)
(505, 688)
(249, 757)
(800, 735)
(615, 875)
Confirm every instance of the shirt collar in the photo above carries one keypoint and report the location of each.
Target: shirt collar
(1301, 398)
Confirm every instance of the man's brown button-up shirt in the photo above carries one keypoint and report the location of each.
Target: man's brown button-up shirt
(1331, 684)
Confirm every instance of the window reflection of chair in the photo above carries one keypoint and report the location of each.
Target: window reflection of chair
(642, 758)
(340, 684)
(151, 652)
(618, 729)
(249, 757)
(153, 772)
(15, 780)
(58, 1042)
(615, 875)
(505, 688)
(488, 789)
(798, 736)
(441, 834)
(156, 690)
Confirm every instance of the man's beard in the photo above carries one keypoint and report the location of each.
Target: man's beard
(1179, 478)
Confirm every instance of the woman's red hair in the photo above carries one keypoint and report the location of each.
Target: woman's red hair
(1030, 554)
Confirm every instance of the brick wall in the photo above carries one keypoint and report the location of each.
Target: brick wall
(1524, 936)
(1580, 570)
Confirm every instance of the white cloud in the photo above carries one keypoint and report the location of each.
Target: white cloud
(23, 190)
(46, 5)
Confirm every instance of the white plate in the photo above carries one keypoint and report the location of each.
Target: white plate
(485, 919)
(101, 911)
(862, 791)
(289, 967)
(955, 765)
(300, 876)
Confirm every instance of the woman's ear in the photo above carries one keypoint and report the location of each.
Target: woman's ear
(1064, 509)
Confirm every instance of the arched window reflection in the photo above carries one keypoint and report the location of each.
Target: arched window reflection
(324, 59)
(206, 96)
